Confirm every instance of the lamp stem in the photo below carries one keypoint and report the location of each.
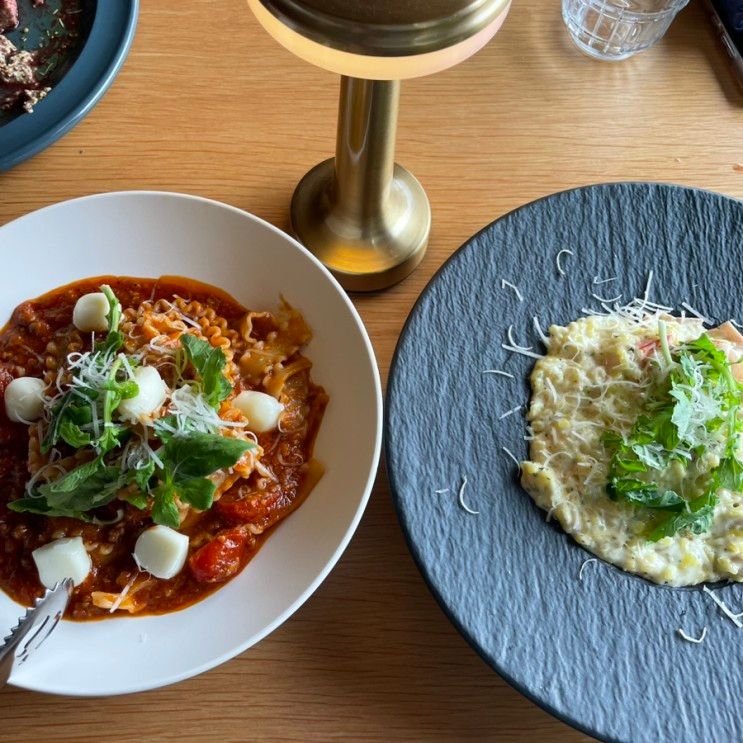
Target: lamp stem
(363, 215)
(365, 147)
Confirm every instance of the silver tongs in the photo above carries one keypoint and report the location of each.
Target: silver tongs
(33, 628)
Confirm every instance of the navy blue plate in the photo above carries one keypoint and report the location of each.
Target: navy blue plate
(601, 653)
(109, 26)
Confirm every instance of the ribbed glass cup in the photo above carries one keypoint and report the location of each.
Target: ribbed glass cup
(616, 29)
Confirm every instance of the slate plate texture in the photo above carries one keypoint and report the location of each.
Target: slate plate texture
(601, 653)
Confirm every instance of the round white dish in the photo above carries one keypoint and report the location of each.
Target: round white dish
(149, 234)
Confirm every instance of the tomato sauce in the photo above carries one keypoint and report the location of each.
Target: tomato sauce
(222, 539)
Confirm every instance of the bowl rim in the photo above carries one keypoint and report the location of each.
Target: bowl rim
(370, 477)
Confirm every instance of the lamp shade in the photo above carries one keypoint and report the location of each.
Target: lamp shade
(382, 39)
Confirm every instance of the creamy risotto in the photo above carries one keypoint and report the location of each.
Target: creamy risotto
(636, 444)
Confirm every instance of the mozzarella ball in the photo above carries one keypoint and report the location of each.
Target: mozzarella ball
(261, 410)
(150, 398)
(24, 399)
(63, 558)
(161, 551)
(90, 313)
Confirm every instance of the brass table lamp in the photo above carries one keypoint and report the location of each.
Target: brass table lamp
(365, 217)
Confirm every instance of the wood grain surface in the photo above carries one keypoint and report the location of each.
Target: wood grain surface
(208, 104)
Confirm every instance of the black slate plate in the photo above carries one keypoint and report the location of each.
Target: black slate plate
(602, 653)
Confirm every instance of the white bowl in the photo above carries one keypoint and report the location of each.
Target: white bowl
(148, 234)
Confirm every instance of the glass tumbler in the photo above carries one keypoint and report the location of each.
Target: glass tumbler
(617, 29)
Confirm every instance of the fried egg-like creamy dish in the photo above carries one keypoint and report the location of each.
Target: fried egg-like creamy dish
(636, 447)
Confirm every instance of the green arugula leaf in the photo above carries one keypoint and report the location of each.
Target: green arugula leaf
(694, 397)
(197, 492)
(164, 509)
(201, 454)
(209, 363)
(651, 455)
(697, 518)
(729, 474)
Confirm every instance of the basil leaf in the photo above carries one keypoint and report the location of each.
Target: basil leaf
(73, 479)
(201, 454)
(71, 434)
(197, 492)
(209, 363)
(42, 508)
(164, 510)
(143, 475)
(137, 499)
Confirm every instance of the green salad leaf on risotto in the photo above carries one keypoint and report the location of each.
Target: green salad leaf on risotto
(690, 413)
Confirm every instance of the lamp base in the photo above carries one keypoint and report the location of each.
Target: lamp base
(366, 250)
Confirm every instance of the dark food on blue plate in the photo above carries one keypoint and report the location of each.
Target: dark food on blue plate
(30, 67)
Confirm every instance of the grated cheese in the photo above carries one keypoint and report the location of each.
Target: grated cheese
(522, 351)
(509, 333)
(460, 498)
(512, 455)
(607, 301)
(559, 264)
(734, 618)
(696, 313)
(696, 640)
(117, 603)
(499, 372)
(583, 565)
(504, 284)
(597, 280)
(539, 330)
(510, 412)
(441, 491)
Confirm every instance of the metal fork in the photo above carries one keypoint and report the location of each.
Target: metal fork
(33, 628)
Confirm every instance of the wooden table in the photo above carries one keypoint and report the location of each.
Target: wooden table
(371, 656)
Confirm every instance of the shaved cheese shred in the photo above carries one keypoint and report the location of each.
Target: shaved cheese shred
(504, 284)
(522, 351)
(696, 313)
(583, 566)
(688, 638)
(460, 498)
(551, 389)
(512, 455)
(597, 280)
(647, 286)
(540, 332)
(510, 412)
(499, 372)
(509, 333)
(117, 603)
(734, 618)
(441, 491)
(603, 299)
(558, 262)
